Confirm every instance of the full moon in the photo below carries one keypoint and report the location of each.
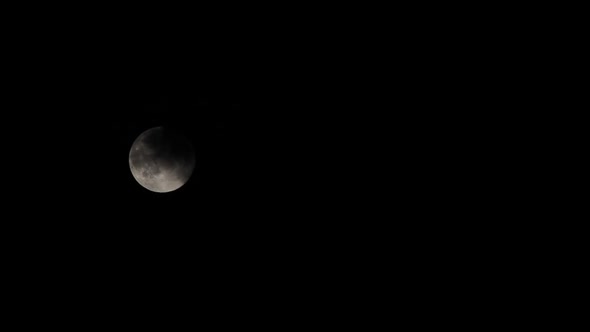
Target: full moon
(161, 160)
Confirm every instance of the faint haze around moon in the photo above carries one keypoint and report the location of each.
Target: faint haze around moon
(161, 160)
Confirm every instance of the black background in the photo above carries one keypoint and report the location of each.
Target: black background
(262, 207)
(306, 133)
(342, 154)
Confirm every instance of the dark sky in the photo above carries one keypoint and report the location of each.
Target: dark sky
(249, 108)
(283, 126)
(331, 149)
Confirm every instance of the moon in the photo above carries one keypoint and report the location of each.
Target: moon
(161, 160)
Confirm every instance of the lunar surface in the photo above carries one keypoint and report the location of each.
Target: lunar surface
(161, 160)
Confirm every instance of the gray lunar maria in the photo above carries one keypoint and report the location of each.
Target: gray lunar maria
(161, 160)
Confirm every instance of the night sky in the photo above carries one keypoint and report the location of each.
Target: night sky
(255, 197)
(333, 148)
(282, 139)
